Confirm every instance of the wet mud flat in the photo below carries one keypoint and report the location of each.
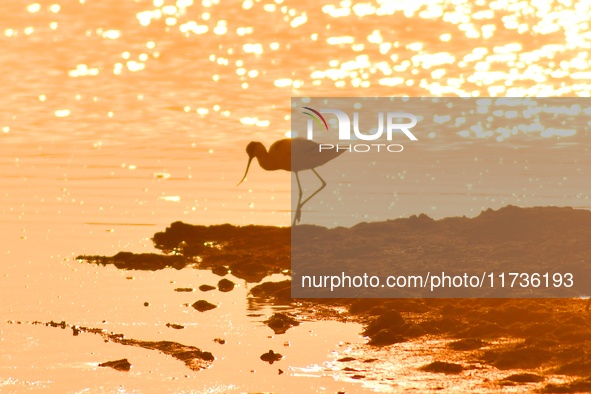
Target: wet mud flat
(534, 344)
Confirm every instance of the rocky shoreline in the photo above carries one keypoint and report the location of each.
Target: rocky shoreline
(546, 336)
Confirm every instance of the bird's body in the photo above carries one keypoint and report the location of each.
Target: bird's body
(294, 155)
(289, 154)
(277, 158)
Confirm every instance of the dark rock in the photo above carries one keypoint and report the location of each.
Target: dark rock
(345, 359)
(280, 291)
(206, 288)
(579, 367)
(203, 306)
(414, 330)
(184, 289)
(467, 344)
(575, 352)
(578, 386)
(252, 270)
(443, 367)
(390, 319)
(280, 371)
(146, 304)
(280, 322)
(525, 357)
(220, 341)
(175, 326)
(119, 365)
(270, 357)
(225, 285)
(220, 270)
(524, 378)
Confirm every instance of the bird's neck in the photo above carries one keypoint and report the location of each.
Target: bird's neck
(263, 159)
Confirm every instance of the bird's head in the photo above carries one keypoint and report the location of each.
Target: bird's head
(251, 150)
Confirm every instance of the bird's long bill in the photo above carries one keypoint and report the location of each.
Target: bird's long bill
(245, 172)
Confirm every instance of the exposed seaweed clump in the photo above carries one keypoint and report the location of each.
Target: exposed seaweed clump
(281, 322)
(141, 261)
(193, 357)
(225, 285)
(119, 365)
(271, 357)
(275, 291)
(250, 252)
(203, 306)
(443, 367)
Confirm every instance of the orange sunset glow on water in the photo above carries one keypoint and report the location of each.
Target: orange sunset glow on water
(122, 118)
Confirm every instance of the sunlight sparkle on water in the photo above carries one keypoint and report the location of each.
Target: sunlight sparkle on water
(488, 70)
(83, 70)
(62, 113)
(35, 7)
(112, 34)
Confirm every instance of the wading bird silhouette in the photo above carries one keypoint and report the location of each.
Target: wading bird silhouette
(291, 154)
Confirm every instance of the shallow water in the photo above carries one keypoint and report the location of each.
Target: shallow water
(397, 368)
(120, 117)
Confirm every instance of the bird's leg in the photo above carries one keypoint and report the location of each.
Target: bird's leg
(298, 213)
(297, 217)
(316, 192)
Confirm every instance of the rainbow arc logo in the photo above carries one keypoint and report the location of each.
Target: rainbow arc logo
(317, 116)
